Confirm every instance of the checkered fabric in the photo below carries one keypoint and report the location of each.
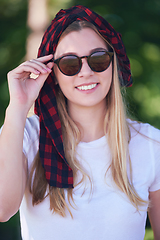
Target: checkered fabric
(57, 171)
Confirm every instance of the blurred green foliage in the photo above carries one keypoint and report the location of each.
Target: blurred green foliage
(139, 23)
(149, 234)
(13, 15)
(11, 230)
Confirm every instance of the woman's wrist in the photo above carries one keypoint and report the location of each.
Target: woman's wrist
(16, 112)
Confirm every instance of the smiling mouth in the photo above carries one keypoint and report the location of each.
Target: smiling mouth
(88, 87)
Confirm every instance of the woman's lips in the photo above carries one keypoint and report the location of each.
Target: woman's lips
(87, 87)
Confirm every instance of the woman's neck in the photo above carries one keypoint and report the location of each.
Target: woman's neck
(90, 120)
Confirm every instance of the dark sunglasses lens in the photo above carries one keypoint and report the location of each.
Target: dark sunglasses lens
(99, 61)
(69, 65)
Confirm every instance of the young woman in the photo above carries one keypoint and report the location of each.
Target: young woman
(78, 169)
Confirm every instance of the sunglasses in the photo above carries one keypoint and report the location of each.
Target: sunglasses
(98, 61)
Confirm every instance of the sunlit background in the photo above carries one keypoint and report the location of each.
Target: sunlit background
(22, 24)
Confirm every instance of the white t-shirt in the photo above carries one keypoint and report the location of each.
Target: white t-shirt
(104, 213)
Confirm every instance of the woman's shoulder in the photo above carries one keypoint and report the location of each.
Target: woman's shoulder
(143, 130)
(31, 138)
(32, 124)
(31, 131)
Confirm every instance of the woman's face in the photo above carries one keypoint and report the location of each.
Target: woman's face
(87, 88)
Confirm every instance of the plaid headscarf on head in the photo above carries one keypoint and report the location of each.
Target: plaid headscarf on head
(57, 171)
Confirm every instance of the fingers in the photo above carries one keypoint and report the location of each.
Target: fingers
(40, 66)
(36, 66)
(45, 58)
(25, 68)
(43, 61)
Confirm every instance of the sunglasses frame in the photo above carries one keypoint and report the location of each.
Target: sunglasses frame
(80, 61)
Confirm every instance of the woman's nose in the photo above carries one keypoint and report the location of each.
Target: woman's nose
(85, 71)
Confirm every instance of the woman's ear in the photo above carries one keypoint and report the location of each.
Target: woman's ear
(55, 78)
(56, 81)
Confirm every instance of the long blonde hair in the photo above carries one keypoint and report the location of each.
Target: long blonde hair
(116, 130)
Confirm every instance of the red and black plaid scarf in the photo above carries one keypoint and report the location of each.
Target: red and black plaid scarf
(57, 171)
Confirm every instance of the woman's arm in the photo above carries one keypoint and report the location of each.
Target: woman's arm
(154, 213)
(13, 165)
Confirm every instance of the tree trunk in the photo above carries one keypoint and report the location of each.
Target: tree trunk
(37, 22)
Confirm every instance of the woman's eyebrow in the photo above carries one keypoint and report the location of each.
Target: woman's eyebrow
(98, 49)
(65, 54)
(74, 53)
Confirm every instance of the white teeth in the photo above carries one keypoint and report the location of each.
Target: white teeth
(87, 87)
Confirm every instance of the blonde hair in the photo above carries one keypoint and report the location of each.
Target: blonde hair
(116, 130)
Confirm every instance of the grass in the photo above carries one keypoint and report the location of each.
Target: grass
(149, 234)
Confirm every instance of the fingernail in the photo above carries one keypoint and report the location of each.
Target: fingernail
(45, 70)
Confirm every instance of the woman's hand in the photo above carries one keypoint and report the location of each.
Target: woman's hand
(22, 87)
